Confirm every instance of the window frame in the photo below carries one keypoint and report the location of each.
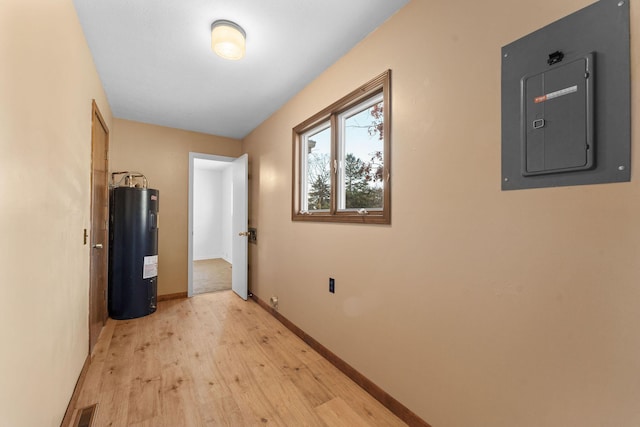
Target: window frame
(331, 115)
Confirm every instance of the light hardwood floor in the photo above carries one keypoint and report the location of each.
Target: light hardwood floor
(211, 275)
(215, 359)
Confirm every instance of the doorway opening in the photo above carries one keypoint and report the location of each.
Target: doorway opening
(212, 201)
(217, 218)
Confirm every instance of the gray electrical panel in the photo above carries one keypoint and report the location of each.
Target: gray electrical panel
(566, 101)
(557, 119)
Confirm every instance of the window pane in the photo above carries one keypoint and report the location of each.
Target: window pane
(363, 148)
(317, 191)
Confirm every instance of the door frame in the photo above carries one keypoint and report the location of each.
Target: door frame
(97, 115)
(192, 157)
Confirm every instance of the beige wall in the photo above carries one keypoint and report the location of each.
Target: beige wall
(47, 82)
(476, 307)
(162, 155)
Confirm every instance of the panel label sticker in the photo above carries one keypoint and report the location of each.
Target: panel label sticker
(150, 267)
(556, 94)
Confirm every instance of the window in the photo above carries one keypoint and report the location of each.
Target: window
(341, 163)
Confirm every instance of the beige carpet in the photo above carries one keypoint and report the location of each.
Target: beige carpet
(211, 275)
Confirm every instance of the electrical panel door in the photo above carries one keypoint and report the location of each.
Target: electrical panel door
(557, 119)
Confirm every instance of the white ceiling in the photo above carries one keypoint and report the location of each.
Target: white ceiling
(155, 61)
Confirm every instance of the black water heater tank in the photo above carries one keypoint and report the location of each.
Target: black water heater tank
(133, 252)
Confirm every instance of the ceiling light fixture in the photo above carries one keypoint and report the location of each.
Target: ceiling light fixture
(228, 39)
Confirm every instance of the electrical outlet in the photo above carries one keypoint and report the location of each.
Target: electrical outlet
(332, 285)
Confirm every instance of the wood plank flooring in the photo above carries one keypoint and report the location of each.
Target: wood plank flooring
(216, 360)
(211, 275)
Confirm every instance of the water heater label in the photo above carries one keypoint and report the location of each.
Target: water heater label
(150, 268)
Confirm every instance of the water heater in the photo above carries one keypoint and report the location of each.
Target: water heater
(133, 248)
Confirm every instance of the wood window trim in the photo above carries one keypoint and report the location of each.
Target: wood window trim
(379, 84)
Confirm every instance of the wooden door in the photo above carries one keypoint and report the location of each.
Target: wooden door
(99, 220)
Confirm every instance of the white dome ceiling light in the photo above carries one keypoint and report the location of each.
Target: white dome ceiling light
(228, 39)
